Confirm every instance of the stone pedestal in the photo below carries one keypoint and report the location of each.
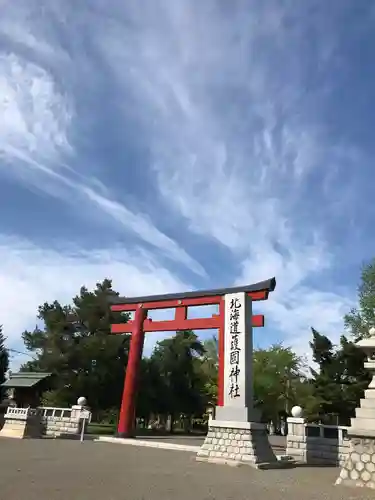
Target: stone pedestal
(21, 423)
(359, 467)
(237, 443)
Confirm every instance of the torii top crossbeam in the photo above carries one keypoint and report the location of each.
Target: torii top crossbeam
(181, 301)
(260, 289)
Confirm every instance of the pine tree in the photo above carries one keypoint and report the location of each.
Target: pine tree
(362, 318)
(340, 380)
(4, 360)
(76, 346)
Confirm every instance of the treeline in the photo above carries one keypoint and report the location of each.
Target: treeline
(180, 376)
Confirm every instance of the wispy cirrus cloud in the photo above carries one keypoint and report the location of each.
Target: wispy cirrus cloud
(204, 131)
(250, 141)
(34, 118)
(37, 145)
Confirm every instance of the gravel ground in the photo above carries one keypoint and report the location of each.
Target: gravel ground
(61, 469)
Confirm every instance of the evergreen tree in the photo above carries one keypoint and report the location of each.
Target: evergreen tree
(180, 380)
(75, 345)
(340, 379)
(362, 318)
(4, 361)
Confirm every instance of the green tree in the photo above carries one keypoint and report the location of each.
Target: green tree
(360, 319)
(339, 380)
(76, 346)
(209, 367)
(152, 398)
(177, 361)
(4, 360)
(277, 374)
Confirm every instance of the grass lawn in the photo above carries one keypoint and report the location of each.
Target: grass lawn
(102, 429)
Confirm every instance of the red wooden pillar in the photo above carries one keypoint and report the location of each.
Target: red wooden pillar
(221, 342)
(127, 411)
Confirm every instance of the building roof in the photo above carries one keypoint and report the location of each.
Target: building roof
(25, 379)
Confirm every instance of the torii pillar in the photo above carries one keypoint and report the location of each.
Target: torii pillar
(236, 435)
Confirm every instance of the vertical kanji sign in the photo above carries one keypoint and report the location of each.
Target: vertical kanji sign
(237, 336)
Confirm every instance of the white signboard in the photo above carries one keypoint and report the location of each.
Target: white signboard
(238, 345)
(85, 415)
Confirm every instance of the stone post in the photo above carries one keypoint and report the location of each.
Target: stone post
(296, 438)
(76, 413)
(235, 435)
(359, 467)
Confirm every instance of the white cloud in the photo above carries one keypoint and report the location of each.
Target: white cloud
(248, 138)
(31, 275)
(36, 121)
(235, 135)
(143, 227)
(294, 307)
(35, 116)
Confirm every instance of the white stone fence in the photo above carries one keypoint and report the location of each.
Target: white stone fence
(59, 422)
(20, 413)
(315, 443)
(55, 422)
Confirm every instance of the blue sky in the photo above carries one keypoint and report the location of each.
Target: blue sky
(183, 145)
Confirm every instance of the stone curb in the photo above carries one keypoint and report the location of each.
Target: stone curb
(168, 446)
(149, 444)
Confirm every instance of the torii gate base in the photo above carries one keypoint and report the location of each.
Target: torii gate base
(237, 443)
(235, 436)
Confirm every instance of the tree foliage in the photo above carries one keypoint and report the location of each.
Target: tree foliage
(278, 375)
(209, 366)
(4, 360)
(360, 319)
(177, 360)
(340, 379)
(75, 345)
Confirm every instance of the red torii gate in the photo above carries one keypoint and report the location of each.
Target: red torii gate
(180, 302)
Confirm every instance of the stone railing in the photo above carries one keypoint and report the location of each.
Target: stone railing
(61, 421)
(20, 413)
(316, 444)
(58, 421)
(53, 412)
(53, 422)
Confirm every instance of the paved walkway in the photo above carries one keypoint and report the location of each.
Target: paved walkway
(180, 442)
(60, 469)
(277, 442)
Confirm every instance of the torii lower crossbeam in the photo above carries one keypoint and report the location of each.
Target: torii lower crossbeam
(180, 302)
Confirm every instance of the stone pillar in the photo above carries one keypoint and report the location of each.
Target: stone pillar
(296, 438)
(359, 467)
(235, 435)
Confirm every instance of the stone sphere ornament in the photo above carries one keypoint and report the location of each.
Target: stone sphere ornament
(297, 412)
(82, 401)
